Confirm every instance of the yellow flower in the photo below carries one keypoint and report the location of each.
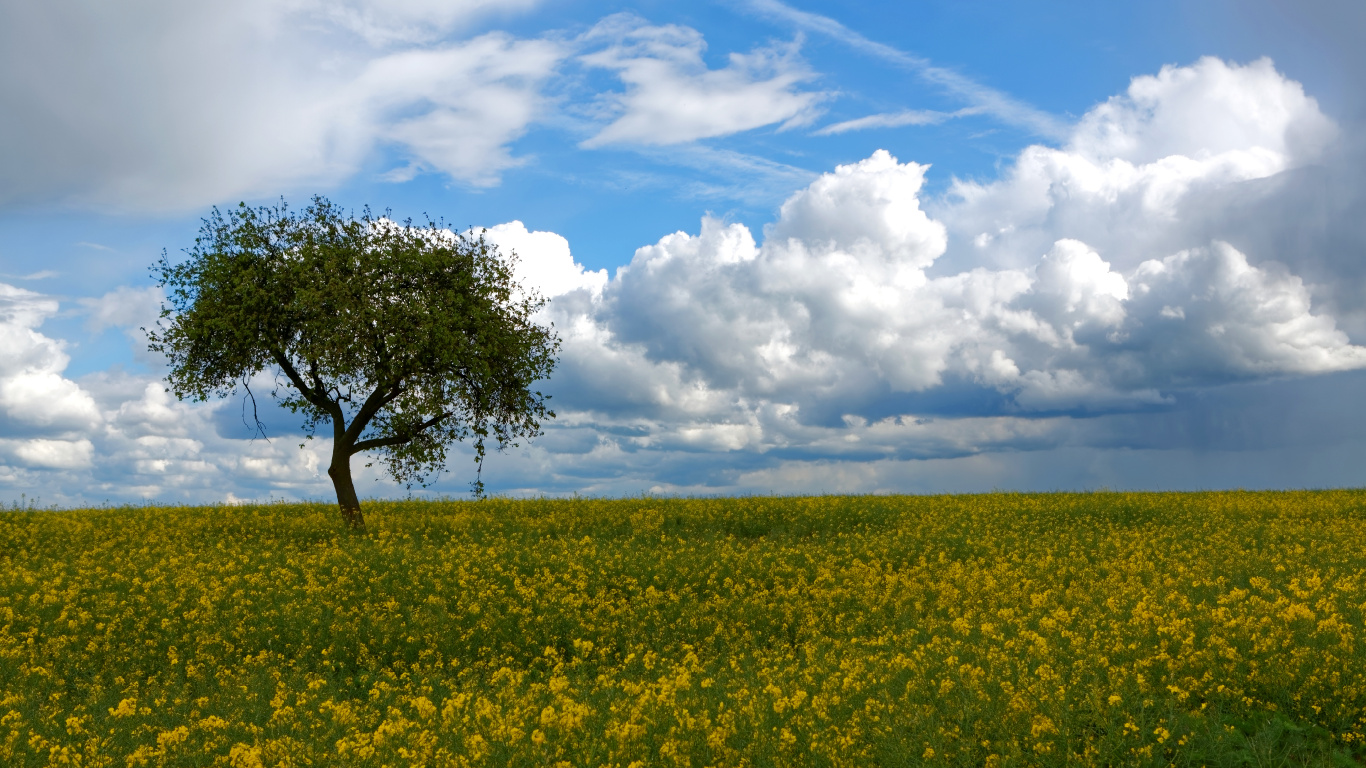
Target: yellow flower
(125, 708)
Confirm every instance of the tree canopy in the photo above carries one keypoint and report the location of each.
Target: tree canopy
(403, 338)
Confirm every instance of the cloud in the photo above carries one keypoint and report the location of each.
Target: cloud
(119, 435)
(671, 96)
(401, 22)
(1153, 171)
(172, 106)
(1249, 115)
(475, 99)
(148, 445)
(721, 174)
(544, 262)
(45, 274)
(896, 120)
(872, 324)
(124, 307)
(131, 310)
(55, 454)
(34, 397)
(836, 307)
(986, 99)
(1239, 320)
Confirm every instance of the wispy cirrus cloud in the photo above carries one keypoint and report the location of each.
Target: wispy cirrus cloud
(990, 101)
(44, 274)
(897, 120)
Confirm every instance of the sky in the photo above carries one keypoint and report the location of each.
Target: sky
(790, 247)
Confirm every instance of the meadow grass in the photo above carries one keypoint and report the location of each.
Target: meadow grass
(1001, 629)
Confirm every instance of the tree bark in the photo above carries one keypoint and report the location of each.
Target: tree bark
(340, 472)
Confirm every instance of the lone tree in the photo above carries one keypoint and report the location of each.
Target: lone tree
(404, 338)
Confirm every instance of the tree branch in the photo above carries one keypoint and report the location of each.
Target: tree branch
(298, 381)
(407, 437)
(381, 397)
(312, 395)
(334, 407)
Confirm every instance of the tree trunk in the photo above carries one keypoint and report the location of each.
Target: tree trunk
(340, 472)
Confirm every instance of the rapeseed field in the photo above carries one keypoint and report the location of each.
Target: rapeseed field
(990, 630)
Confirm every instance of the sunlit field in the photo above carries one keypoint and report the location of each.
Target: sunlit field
(1102, 629)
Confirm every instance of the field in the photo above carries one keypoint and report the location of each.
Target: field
(1004, 629)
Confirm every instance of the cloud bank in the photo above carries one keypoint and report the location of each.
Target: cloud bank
(1099, 305)
(1063, 305)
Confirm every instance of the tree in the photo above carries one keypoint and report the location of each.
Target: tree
(404, 338)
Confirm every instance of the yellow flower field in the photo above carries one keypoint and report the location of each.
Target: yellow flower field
(1003, 629)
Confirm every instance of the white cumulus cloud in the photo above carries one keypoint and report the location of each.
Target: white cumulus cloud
(1144, 174)
(33, 394)
(1203, 111)
(838, 307)
(1102, 284)
(544, 262)
(56, 454)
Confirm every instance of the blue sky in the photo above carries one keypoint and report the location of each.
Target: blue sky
(884, 247)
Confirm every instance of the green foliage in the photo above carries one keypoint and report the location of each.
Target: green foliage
(1218, 629)
(403, 338)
